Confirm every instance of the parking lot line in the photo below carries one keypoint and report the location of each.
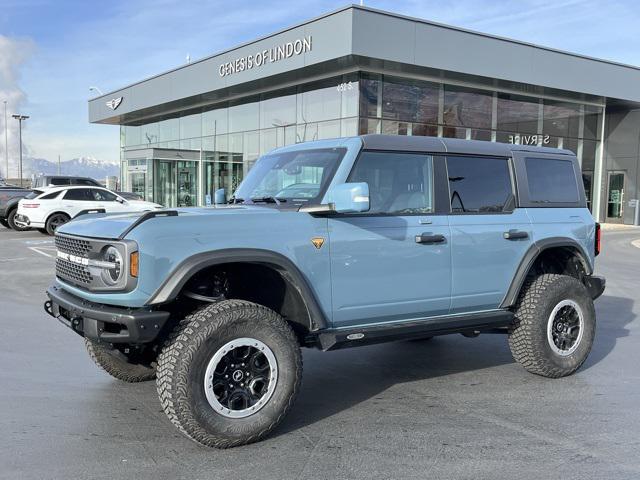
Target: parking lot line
(39, 250)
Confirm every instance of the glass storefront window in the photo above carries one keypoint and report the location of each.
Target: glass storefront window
(369, 125)
(169, 130)
(191, 126)
(517, 114)
(318, 102)
(279, 110)
(465, 107)
(149, 133)
(561, 119)
(411, 101)
(370, 95)
(591, 122)
(244, 117)
(131, 135)
(215, 122)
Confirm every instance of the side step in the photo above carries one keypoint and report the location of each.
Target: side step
(335, 338)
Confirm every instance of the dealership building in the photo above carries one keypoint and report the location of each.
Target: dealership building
(200, 127)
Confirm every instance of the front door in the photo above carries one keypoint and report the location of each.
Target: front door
(615, 197)
(394, 262)
(165, 186)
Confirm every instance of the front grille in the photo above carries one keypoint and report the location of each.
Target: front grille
(73, 272)
(74, 246)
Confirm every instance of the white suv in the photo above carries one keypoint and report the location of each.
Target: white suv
(57, 205)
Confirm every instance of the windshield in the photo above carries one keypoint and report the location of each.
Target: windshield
(292, 177)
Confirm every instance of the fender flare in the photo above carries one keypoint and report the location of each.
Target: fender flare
(532, 255)
(179, 276)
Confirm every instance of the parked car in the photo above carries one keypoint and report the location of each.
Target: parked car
(45, 181)
(406, 238)
(56, 206)
(9, 197)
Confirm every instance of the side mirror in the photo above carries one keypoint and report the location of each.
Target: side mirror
(219, 197)
(349, 198)
(121, 200)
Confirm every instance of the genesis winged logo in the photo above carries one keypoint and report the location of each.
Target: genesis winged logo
(114, 103)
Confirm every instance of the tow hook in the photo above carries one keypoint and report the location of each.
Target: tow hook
(47, 307)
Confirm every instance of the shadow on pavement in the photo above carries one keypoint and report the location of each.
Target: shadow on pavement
(613, 314)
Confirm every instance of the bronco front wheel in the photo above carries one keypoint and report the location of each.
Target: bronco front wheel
(229, 373)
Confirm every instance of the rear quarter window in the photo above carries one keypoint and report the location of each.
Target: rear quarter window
(551, 181)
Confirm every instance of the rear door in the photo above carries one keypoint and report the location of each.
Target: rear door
(393, 262)
(489, 236)
(76, 200)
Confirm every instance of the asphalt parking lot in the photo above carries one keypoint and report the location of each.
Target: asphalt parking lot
(453, 407)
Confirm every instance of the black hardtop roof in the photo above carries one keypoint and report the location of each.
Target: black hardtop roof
(451, 145)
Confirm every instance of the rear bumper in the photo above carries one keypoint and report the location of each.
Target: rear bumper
(104, 323)
(595, 285)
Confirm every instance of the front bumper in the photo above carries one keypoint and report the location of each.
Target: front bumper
(595, 285)
(104, 323)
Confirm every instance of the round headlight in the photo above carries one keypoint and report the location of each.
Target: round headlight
(112, 275)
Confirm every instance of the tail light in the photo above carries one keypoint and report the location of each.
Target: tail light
(596, 247)
(31, 205)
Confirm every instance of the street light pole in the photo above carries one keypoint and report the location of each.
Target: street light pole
(6, 143)
(20, 118)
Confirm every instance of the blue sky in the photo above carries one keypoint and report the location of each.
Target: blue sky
(52, 51)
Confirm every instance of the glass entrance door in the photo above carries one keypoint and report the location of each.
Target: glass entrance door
(615, 197)
(137, 183)
(165, 193)
(187, 184)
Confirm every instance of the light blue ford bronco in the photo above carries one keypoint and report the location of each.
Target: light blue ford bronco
(333, 244)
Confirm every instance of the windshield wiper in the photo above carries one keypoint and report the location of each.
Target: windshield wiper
(268, 199)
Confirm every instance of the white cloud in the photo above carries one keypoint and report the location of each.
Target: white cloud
(13, 54)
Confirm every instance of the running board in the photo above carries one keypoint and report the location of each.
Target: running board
(333, 339)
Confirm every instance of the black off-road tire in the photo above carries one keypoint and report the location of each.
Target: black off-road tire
(56, 220)
(184, 359)
(4, 223)
(115, 365)
(529, 341)
(11, 220)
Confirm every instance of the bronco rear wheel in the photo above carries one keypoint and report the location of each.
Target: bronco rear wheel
(229, 373)
(555, 325)
(120, 365)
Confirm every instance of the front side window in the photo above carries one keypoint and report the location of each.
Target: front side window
(399, 183)
(551, 181)
(80, 194)
(479, 184)
(293, 177)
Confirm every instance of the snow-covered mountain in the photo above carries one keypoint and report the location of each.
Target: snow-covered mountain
(82, 167)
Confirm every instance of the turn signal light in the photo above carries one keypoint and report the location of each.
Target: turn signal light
(31, 205)
(134, 264)
(597, 243)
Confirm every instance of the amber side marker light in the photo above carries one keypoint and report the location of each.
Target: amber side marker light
(134, 264)
(598, 243)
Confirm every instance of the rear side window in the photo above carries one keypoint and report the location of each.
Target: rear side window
(82, 194)
(479, 184)
(551, 181)
(49, 196)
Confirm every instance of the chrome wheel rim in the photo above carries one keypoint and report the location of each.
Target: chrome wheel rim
(565, 327)
(241, 378)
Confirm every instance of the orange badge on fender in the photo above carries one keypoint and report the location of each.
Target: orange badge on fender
(317, 242)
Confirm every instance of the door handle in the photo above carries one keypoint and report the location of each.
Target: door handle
(515, 235)
(428, 239)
